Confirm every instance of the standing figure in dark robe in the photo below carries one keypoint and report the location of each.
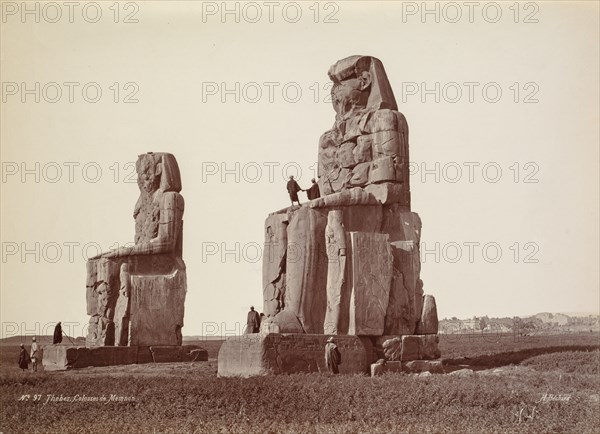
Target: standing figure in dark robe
(23, 358)
(313, 192)
(293, 188)
(253, 321)
(333, 358)
(57, 339)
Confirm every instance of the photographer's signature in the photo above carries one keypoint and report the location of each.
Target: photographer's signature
(548, 397)
(524, 412)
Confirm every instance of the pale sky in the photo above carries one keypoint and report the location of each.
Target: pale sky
(515, 232)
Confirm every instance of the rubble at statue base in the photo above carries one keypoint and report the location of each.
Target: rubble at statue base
(135, 295)
(346, 264)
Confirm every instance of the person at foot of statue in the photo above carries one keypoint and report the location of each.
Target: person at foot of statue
(293, 188)
(333, 357)
(253, 321)
(57, 338)
(24, 359)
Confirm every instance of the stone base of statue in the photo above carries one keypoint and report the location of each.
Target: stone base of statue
(63, 357)
(287, 353)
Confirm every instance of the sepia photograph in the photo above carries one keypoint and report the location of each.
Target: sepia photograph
(300, 217)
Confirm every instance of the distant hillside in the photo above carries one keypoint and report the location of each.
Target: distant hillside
(44, 340)
(544, 322)
(558, 318)
(41, 340)
(580, 314)
(80, 341)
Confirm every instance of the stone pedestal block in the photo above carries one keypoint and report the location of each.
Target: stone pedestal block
(195, 355)
(58, 357)
(164, 354)
(252, 355)
(63, 357)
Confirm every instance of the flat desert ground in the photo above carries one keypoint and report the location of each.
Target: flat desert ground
(491, 384)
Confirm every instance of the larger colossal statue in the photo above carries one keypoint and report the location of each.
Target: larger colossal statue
(363, 173)
(346, 263)
(135, 295)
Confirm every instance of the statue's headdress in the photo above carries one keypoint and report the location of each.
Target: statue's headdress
(380, 92)
(166, 165)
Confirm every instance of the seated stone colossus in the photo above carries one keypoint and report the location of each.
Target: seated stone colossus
(348, 263)
(135, 295)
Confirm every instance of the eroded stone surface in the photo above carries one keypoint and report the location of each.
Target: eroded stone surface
(414, 366)
(433, 366)
(392, 349)
(337, 296)
(386, 192)
(284, 322)
(370, 278)
(353, 196)
(428, 323)
(408, 347)
(121, 319)
(404, 228)
(306, 268)
(398, 318)
(420, 347)
(157, 309)
(274, 260)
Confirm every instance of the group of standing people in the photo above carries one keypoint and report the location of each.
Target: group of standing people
(29, 357)
(293, 188)
(33, 356)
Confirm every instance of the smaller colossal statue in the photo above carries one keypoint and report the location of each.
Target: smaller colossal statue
(136, 294)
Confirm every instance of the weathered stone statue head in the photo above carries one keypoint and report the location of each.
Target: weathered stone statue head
(158, 172)
(368, 143)
(360, 82)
